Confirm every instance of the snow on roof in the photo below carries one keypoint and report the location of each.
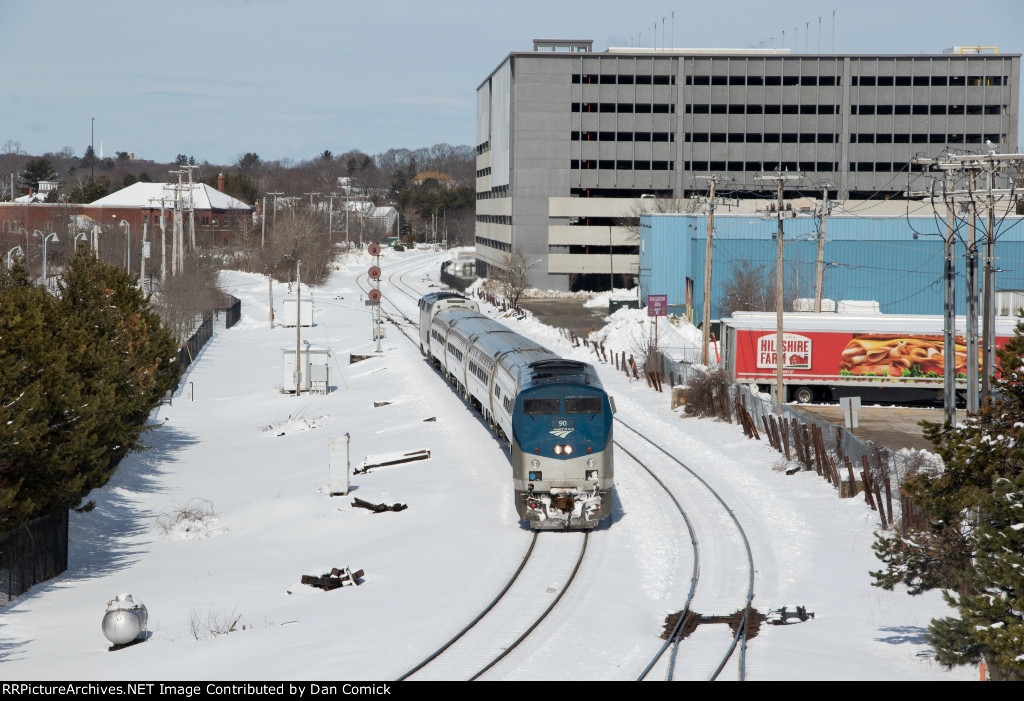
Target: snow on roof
(149, 194)
(34, 197)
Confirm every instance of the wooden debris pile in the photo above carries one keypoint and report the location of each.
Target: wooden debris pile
(334, 579)
(378, 508)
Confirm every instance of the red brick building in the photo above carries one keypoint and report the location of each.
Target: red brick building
(218, 217)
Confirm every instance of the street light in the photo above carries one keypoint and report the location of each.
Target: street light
(45, 237)
(11, 252)
(128, 253)
(82, 237)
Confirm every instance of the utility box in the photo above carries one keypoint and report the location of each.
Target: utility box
(314, 371)
(339, 465)
(289, 317)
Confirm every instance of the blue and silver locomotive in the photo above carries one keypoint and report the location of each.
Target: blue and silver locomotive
(553, 412)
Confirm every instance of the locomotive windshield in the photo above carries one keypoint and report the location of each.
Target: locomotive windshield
(582, 405)
(541, 405)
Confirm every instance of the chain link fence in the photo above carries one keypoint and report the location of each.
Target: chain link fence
(33, 552)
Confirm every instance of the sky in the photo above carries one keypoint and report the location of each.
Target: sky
(256, 461)
(219, 78)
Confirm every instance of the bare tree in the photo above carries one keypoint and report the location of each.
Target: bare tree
(513, 275)
(751, 288)
(654, 205)
(185, 297)
(299, 237)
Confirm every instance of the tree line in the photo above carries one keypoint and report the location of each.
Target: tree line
(80, 372)
(385, 178)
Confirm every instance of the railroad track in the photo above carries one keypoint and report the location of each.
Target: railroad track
(536, 587)
(721, 583)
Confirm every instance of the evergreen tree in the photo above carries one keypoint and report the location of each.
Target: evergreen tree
(89, 157)
(972, 547)
(35, 170)
(78, 378)
(121, 351)
(40, 402)
(992, 617)
(238, 185)
(92, 190)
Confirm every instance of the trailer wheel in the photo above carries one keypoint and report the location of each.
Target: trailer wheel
(804, 394)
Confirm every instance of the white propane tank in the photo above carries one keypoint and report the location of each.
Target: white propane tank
(124, 620)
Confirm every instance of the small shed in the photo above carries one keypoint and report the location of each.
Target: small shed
(289, 317)
(314, 371)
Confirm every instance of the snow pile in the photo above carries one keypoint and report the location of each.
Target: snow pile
(632, 329)
(601, 299)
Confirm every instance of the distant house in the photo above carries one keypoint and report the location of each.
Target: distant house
(383, 221)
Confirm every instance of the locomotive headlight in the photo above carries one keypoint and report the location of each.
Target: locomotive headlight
(558, 450)
(568, 450)
(591, 462)
(535, 463)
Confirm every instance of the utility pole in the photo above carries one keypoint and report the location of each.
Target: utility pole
(270, 289)
(705, 321)
(988, 162)
(330, 219)
(949, 316)
(820, 261)
(971, 278)
(191, 208)
(311, 195)
(298, 327)
(274, 195)
(348, 206)
(263, 225)
(142, 258)
(780, 350)
(988, 331)
(163, 247)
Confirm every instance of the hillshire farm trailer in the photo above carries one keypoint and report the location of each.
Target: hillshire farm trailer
(827, 356)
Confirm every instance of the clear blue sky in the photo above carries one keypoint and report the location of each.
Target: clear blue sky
(218, 78)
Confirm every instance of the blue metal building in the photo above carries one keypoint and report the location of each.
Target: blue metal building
(896, 261)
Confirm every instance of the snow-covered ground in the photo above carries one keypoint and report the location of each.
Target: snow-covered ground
(256, 462)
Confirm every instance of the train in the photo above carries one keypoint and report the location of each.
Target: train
(552, 412)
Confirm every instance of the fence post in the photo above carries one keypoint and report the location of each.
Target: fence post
(888, 498)
(881, 506)
(768, 432)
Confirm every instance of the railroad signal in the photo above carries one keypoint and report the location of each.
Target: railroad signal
(374, 272)
(373, 249)
(375, 296)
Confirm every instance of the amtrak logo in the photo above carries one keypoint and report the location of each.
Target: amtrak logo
(561, 432)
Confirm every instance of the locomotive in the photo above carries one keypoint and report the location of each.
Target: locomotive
(552, 412)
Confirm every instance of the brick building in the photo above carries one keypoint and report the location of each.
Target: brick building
(218, 216)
